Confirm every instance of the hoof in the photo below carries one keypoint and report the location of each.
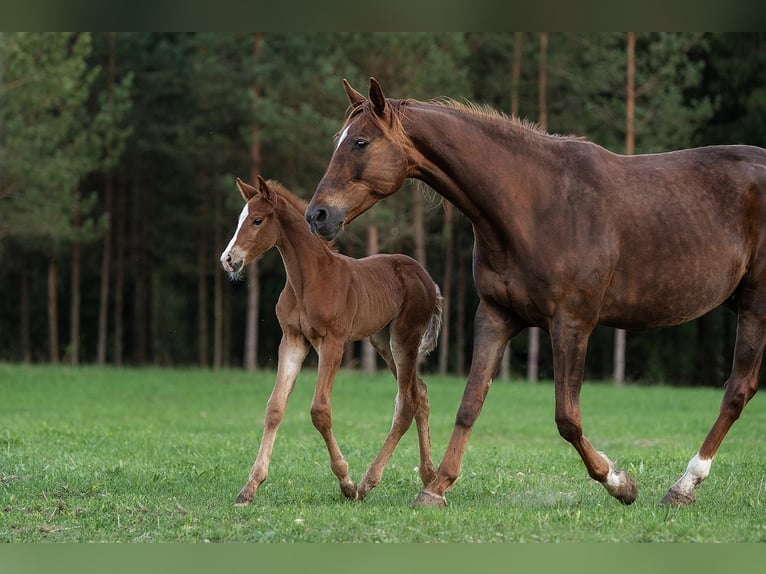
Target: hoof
(427, 499)
(242, 500)
(677, 498)
(349, 490)
(626, 491)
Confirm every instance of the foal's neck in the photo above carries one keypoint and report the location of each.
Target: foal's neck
(302, 252)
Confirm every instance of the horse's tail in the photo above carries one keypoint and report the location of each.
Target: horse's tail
(431, 335)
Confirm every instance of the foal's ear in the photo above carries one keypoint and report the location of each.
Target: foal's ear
(354, 97)
(265, 190)
(377, 98)
(247, 191)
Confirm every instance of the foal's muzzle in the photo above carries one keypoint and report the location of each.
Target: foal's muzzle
(325, 221)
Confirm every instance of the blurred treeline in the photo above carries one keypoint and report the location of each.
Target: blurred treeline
(118, 153)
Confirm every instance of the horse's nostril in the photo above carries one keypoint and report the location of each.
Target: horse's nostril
(320, 215)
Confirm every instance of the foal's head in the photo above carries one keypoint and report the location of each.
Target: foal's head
(369, 162)
(257, 230)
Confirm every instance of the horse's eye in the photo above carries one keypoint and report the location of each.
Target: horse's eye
(360, 144)
(257, 220)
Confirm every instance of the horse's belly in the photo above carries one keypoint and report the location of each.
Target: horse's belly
(674, 300)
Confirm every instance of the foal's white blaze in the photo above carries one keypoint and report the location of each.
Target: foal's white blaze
(242, 216)
(342, 136)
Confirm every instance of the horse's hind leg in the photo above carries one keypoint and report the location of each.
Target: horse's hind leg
(292, 351)
(330, 355)
(381, 342)
(740, 388)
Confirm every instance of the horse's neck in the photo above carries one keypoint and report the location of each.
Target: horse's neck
(485, 170)
(303, 253)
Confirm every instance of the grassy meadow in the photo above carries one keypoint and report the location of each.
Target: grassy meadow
(158, 455)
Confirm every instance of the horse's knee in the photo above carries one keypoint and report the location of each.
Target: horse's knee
(321, 416)
(569, 427)
(467, 415)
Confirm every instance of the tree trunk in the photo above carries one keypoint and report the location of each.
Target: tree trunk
(53, 318)
(533, 351)
(202, 266)
(119, 275)
(418, 228)
(630, 107)
(446, 288)
(74, 308)
(505, 364)
(25, 338)
(253, 284)
(369, 356)
(106, 255)
(217, 285)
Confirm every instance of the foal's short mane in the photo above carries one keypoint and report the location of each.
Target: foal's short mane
(297, 202)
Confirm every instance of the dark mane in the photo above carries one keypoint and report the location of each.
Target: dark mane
(522, 125)
(486, 111)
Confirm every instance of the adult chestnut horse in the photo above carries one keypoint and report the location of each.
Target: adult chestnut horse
(328, 300)
(568, 235)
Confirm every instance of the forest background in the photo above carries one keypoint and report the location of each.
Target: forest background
(119, 151)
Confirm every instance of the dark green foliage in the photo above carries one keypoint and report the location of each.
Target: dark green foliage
(177, 128)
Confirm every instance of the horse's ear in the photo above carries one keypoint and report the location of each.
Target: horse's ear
(265, 190)
(354, 97)
(247, 191)
(377, 98)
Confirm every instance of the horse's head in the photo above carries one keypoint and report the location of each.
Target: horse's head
(369, 163)
(256, 231)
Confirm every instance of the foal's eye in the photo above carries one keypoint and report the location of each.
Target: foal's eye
(257, 220)
(360, 144)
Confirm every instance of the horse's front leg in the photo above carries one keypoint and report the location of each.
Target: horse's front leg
(569, 339)
(292, 351)
(493, 327)
(330, 355)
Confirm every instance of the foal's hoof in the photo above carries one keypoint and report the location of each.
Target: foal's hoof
(349, 490)
(676, 497)
(242, 500)
(428, 499)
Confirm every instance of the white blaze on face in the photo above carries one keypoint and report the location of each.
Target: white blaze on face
(342, 136)
(242, 216)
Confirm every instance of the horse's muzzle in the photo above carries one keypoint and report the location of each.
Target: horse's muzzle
(233, 266)
(325, 221)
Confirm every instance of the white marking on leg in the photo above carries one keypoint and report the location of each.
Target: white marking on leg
(342, 136)
(242, 216)
(696, 471)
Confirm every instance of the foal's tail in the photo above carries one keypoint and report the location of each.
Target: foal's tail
(431, 335)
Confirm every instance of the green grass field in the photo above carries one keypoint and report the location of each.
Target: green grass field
(152, 455)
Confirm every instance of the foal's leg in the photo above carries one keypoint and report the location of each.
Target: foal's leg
(381, 343)
(292, 351)
(330, 355)
(569, 339)
(404, 353)
(492, 329)
(740, 388)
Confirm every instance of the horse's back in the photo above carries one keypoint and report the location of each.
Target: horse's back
(689, 227)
